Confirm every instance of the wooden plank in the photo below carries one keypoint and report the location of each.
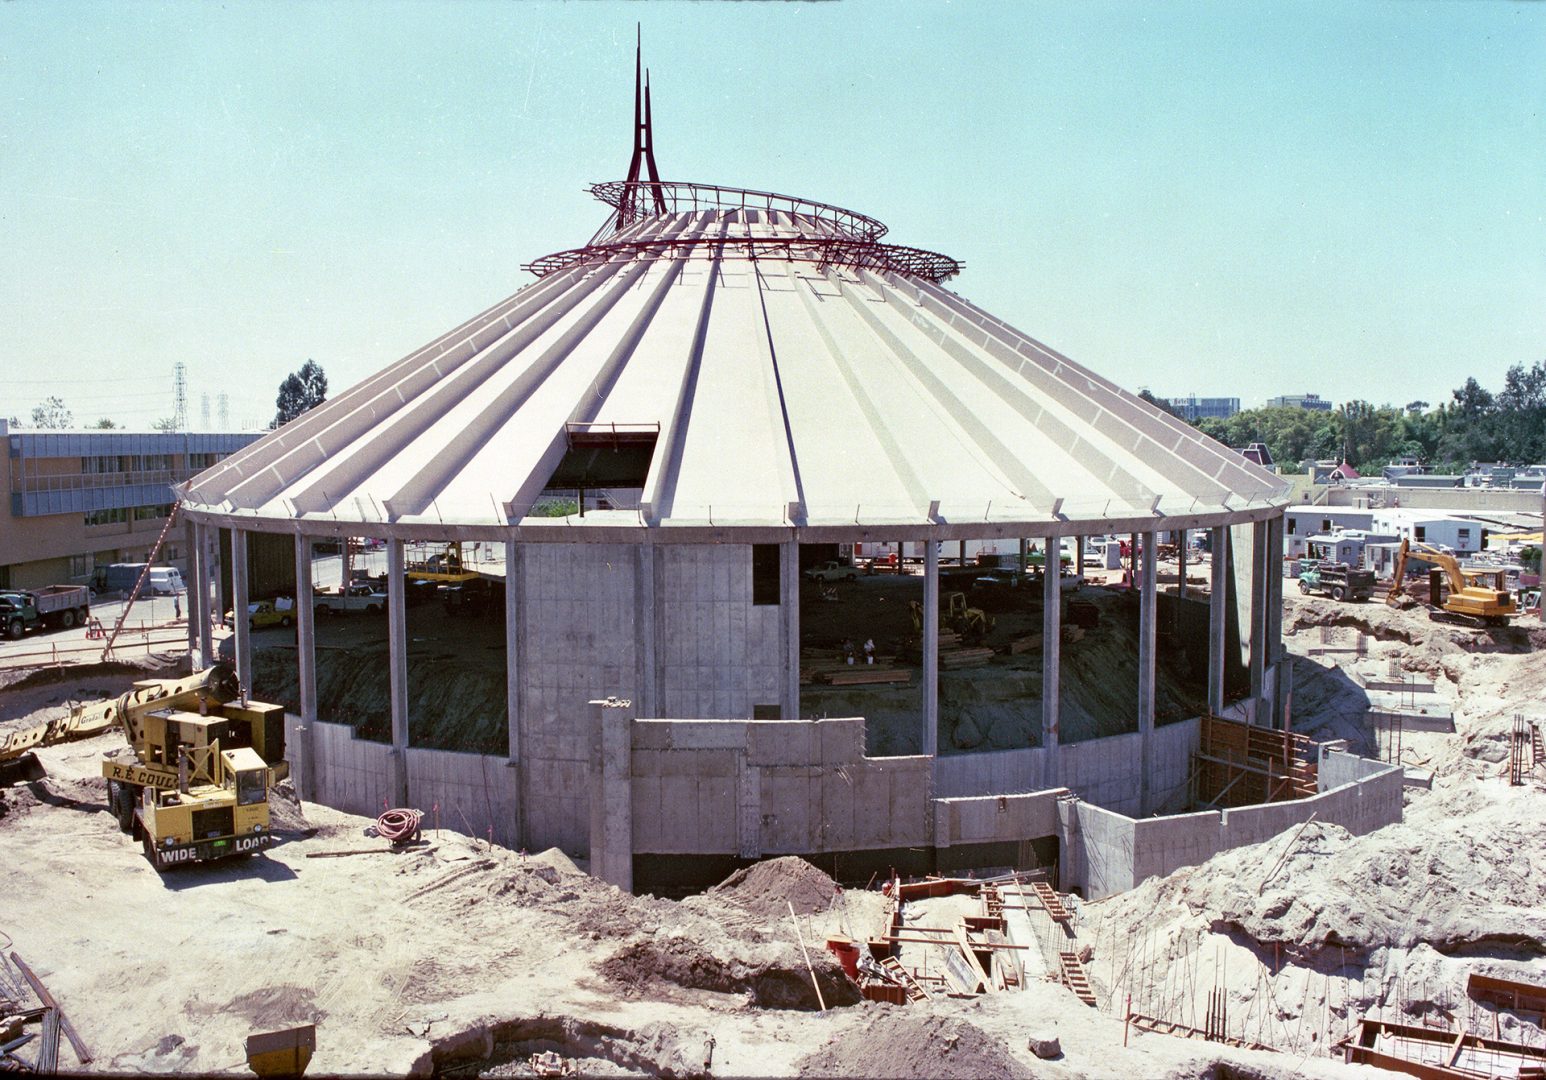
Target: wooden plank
(971, 956)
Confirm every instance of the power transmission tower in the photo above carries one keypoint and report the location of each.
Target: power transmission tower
(204, 412)
(179, 396)
(225, 411)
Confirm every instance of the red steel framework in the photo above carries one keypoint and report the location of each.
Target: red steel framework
(823, 251)
(852, 239)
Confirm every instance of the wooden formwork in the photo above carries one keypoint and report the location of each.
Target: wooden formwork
(1238, 765)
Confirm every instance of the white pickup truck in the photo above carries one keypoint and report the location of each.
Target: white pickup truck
(832, 571)
(357, 597)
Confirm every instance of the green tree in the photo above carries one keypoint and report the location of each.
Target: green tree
(104, 424)
(51, 414)
(166, 423)
(302, 390)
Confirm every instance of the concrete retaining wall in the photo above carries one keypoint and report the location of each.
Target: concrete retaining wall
(753, 788)
(475, 793)
(1368, 797)
(349, 774)
(1104, 771)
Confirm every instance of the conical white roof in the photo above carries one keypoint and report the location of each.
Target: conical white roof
(787, 369)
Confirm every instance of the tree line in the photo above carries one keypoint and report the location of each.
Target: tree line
(1474, 425)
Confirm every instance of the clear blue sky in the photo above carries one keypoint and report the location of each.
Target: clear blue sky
(1214, 198)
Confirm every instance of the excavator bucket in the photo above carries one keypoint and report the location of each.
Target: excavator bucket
(21, 770)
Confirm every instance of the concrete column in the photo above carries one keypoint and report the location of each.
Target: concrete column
(1258, 609)
(1146, 648)
(513, 652)
(1020, 566)
(1051, 655)
(644, 629)
(222, 601)
(1275, 590)
(206, 570)
(789, 605)
(1132, 542)
(397, 653)
(191, 538)
(961, 554)
(1181, 564)
(611, 818)
(239, 601)
(1219, 542)
(303, 737)
(514, 611)
(1079, 556)
(930, 648)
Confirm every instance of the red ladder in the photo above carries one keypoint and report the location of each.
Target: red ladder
(139, 583)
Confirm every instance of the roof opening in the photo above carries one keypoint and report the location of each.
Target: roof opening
(605, 456)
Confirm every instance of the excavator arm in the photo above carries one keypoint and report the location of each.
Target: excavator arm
(212, 686)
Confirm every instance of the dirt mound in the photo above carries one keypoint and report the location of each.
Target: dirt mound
(776, 978)
(285, 813)
(909, 1044)
(767, 888)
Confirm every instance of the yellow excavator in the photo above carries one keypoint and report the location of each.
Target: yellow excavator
(1475, 596)
(972, 624)
(193, 782)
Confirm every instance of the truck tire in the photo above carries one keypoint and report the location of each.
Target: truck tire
(67, 618)
(1338, 593)
(15, 629)
(1304, 587)
(120, 799)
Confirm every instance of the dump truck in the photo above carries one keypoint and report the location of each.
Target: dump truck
(51, 607)
(18, 614)
(192, 784)
(1336, 580)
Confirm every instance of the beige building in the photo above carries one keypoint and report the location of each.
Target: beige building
(79, 500)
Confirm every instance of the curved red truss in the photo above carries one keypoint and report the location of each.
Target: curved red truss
(681, 197)
(821, 250)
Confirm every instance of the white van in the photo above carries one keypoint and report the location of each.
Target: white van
(164, 581)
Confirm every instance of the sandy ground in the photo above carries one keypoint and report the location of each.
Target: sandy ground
(1391, 923)
(467, 959)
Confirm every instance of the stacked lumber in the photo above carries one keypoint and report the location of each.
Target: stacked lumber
(964, 658)
(1028, 643)
(865, 675)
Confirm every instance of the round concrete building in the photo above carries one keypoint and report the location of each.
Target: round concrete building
(754, 474)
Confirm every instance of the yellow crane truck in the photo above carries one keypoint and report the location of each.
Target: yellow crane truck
(193, 782)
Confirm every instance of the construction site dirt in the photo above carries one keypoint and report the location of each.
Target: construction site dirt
(456, 956)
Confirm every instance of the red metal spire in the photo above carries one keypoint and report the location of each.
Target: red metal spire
(643, 144)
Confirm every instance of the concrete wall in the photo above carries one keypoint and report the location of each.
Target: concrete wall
(577, 639)
(1102, 771)
(1366, 796)
(475, 793)
(752, 789)
(714, 654)
(349, 774)
(718, 654)
(769, 787)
